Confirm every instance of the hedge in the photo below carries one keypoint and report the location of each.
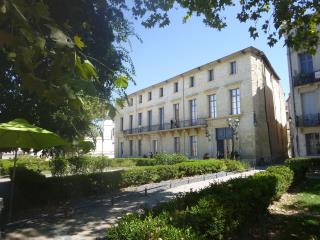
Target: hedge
(216, 212)
(54, 189)
(30, 162)
(301, 165)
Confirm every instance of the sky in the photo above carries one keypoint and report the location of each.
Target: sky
(167, 52)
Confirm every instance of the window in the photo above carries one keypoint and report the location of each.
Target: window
(130, 103)
(121, 149)
(130, 147)
(306, 64)
(211, 75)
(313, 144)
(212, 106)
(192, 81)
(140, 98)
(177, 144)
(235, 101)
(155, 146)
(161, 92)
(139, 119)
(139, 147)
(121, 124)
(149, 119)
(130, 122)
(161, 118)
(193, 111)
(149, 96)
(233, 67)
(193, 146)
(176, 87)
(176, 112)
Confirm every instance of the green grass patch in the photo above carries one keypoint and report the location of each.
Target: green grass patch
(308, 198)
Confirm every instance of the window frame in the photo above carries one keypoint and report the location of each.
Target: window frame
(191, 82)
(212, 105)
(161, 92)
(233, 67)
(211, 75)
(176, 87)
(235, 97)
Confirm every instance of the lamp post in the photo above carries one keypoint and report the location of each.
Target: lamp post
(233, 123)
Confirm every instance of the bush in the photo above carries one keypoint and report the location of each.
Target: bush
(300, 166)
(133, 228)
(30, 188)
(61, 188)
(169, 158)
(30, 162)
(58, 166)
(216, 212)
(78, 165)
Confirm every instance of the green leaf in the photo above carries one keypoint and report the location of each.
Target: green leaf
(88, 66)
(60, 38)
(78, 42)
(122, 82)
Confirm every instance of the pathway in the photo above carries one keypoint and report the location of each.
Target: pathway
(89, 218)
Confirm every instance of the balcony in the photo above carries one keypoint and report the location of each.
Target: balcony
(308, 120)
(304, 78)
(200, 122)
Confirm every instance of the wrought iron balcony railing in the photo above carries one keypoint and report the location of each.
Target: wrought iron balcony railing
(308, 120)
(304, 78)
(168, 126)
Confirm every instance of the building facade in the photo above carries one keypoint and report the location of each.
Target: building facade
(304, 74)
(189, 113)
(105, 142)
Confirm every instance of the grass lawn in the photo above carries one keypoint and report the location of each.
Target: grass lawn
(295, 216)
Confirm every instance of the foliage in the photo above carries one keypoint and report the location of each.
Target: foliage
(58, 166)
(301, 165)
(218, 211)
(78, 165)
(233, 165)
(61, 188)
(31, 162)
(169, 158)
(296, 21)
(149, 228)
(61, 62)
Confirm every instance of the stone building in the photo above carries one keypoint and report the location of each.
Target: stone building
(105, 142)
(189, 113)
(304, 75)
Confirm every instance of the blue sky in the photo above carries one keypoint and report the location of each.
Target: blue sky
(166, 52)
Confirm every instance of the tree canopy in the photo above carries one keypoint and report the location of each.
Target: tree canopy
(295, 20)
(62, 64)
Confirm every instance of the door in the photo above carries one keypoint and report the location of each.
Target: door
(220, 148)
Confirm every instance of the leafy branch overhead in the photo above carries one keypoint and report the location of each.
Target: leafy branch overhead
(62, 64)
(296, 21)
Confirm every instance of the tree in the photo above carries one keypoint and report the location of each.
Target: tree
(61, 62)
(297, 21)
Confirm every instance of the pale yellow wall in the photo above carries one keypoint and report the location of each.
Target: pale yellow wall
(246, 79)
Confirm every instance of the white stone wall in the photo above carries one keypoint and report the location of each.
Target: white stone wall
(105, 145)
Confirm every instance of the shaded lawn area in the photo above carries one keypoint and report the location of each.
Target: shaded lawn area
(295, 216)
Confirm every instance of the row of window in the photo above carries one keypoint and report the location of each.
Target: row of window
(212, 103)
(193, 144)
(233, 70)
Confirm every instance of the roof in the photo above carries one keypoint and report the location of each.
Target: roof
(251, 49)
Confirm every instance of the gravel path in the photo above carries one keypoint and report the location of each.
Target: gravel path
(89, 218)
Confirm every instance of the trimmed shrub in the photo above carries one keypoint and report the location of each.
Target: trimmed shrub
(58, 166)
(149, 228)
(169, 158)
(30, 162)
(218, 211)
(81, 185)
(78, 165)
(300, 166)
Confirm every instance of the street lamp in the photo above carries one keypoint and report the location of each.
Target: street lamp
(233, 123)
